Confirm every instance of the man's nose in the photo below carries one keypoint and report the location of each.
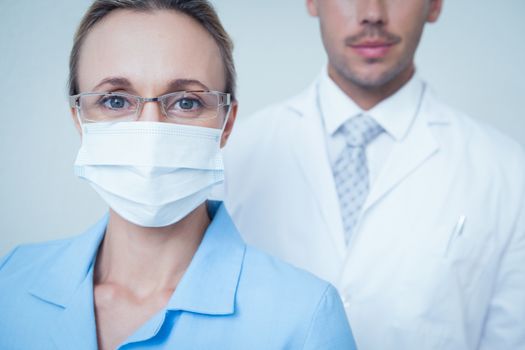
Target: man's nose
(372, 12)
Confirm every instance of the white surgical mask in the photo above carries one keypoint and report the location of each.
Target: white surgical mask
(152, 174)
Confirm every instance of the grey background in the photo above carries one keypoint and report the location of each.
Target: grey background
(473, 57)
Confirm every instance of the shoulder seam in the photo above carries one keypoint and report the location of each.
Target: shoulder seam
(312, 320)
(7, 257)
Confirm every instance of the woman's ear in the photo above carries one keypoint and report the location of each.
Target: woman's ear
(74, 112)
(229, 124)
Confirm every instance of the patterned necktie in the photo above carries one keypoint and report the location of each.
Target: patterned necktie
(351, 170)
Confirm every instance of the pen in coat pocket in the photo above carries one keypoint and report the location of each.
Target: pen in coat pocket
(458, 230)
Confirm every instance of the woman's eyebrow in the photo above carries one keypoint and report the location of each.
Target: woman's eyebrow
(115, 81)
(185, 84)
(174, 85)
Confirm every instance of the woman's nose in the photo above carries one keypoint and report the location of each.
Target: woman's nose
(151, 112)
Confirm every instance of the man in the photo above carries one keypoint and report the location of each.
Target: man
(413, 210)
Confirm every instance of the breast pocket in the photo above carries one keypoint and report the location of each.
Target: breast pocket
(471, 247)
(447, 278)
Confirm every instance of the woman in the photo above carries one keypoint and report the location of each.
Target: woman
(164, 268)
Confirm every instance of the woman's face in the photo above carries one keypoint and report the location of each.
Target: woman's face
(150, 54)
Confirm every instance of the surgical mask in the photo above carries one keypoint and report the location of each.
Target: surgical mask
(152, 174)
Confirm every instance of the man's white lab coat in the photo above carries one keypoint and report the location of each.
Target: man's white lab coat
(438, 258)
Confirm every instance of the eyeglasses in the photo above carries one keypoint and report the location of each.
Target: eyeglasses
(180, 106)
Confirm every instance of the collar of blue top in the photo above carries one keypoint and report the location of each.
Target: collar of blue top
(208, 287)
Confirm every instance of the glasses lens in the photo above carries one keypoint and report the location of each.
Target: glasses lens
(189, 105)
(108, 107)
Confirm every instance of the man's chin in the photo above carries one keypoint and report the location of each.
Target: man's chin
(373, 80)
(370, 82)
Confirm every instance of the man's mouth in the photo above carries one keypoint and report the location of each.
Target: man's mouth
(372, 48)
(373, 42)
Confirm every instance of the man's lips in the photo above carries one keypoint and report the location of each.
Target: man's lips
(372, 49)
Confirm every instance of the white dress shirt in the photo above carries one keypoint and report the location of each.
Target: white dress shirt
(395, 115)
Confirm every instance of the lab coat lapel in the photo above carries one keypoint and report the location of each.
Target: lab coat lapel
(406, 157)
(306, 135)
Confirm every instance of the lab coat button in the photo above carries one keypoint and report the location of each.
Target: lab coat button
(346, 302)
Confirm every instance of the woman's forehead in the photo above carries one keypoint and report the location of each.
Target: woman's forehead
(150, 49)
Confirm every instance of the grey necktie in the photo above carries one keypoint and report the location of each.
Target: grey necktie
(351, 170)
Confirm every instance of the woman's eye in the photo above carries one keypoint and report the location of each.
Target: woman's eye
(187, 104)
(115, 102)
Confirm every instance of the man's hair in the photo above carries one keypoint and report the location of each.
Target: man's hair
(200, 10)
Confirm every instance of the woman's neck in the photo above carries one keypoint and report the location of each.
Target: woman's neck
(147, 260)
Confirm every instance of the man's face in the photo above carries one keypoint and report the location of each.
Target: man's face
(371, 43)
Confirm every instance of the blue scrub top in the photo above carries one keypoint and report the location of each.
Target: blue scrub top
(232, 296)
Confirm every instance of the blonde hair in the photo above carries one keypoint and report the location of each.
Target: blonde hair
(200, 10)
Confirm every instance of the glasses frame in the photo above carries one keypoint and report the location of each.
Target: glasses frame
(224, 101)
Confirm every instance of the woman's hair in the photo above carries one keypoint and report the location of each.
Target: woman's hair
(200, 10)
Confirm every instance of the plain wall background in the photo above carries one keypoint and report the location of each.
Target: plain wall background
(474, 57)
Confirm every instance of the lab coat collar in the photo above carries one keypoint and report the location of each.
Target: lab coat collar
(305, 102)
(416, 88)
(208, 286)
(397, 113)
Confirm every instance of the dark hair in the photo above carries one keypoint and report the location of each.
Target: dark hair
(200, 10)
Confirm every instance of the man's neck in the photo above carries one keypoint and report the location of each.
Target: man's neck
(368, 97)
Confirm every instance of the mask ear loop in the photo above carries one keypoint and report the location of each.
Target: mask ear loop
(218, 189)
(76, 105)
(78, 118)
(226, 118)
